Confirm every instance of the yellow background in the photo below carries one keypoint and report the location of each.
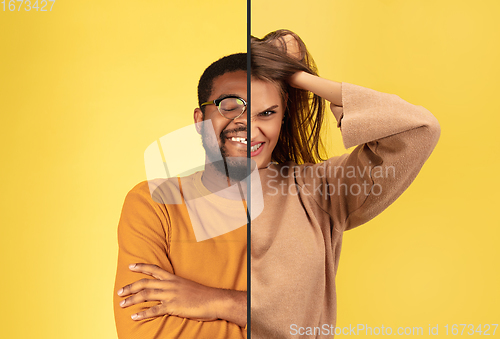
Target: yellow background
(432, 257)
(84, 89)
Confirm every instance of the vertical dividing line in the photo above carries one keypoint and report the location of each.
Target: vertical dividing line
(249, 171)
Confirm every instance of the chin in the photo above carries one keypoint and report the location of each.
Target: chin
(261, 163)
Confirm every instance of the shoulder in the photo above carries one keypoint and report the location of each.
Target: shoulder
(152, 191)
(164, 191)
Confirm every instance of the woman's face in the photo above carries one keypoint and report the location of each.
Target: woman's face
(267, 115)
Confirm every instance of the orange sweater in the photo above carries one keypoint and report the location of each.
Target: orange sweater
(296, 241)
(153, 230)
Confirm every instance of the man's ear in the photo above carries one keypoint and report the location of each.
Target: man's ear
(198, 117)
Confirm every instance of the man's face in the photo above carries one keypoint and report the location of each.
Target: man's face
(267, 113)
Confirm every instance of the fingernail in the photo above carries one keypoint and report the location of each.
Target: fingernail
(122, 302)
(134, 316)
(131, 266)
(120, 291)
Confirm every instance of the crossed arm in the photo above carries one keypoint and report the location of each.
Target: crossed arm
(182, 297)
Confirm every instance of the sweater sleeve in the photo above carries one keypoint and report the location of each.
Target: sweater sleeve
(142, 238)
(394, 139)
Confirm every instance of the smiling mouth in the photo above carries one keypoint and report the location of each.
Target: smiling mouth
(244, 142)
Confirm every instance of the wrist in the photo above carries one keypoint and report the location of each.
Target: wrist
(327, 89)
(299, 80)
(231, 306)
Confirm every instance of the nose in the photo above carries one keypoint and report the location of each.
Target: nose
(243, 120)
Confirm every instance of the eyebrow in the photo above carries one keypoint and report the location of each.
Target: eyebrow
(270, 108)
(222, 96)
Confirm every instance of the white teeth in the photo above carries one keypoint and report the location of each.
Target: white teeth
(255, 147)
(242, 140)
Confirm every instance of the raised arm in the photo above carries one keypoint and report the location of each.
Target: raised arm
(394, 140)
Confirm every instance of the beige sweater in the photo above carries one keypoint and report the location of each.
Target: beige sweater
(296, 241)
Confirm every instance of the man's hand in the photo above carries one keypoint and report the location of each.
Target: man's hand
(182, 297)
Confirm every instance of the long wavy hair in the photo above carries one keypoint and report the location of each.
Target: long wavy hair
(299, 140)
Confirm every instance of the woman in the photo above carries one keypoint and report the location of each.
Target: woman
(308, 203)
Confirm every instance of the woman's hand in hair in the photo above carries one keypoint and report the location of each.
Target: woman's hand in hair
(300, 80)
(289, 44)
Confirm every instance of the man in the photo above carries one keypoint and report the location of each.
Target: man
(167, 280)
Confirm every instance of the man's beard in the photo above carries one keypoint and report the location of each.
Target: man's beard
(236, 166)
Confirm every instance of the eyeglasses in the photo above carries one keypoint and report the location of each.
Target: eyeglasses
(231, 107)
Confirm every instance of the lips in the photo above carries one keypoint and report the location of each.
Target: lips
(239, 140)
(256, 146)
(238, 144)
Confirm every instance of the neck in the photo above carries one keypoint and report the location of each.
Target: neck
(222, 184)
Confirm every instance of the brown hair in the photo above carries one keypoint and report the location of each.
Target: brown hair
(299, 140)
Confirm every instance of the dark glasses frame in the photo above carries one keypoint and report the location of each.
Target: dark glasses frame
(217, 102)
